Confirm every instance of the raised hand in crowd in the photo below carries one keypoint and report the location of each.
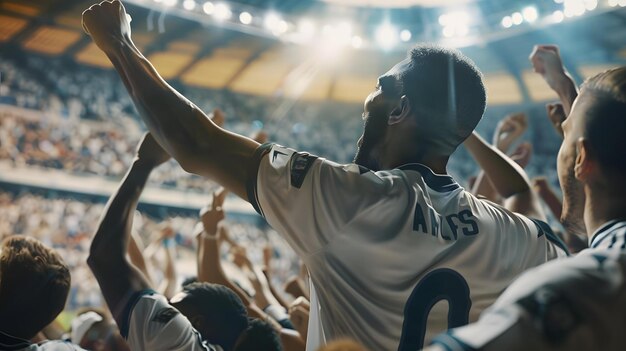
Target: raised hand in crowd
(522, 154)
(546, 60)
(137, 308)
(556, 114)
(509, 130)
(299, 315)
(507, 178)
(268, 253)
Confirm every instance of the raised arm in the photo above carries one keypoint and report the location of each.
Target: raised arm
(546, 60)
(209, 242)
(117, 277)
(196, 142)
(508, 130)
(507, 177)
(170, 279)
(136, 257)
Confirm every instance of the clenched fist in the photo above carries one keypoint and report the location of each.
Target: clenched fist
(108, 24)
(546, 60)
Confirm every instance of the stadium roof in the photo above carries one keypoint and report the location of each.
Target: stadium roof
(200, 48)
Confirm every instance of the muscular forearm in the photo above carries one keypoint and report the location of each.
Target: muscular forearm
(567, 91)
(552, 200)
(505, 175)
(483, 187)
(179, 126)
(111, 239)
(107, 257)
(209, 263)
(136, 255)
(210, 266)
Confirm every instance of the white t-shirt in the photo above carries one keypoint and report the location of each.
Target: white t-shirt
(383, 247)
(574, 304)
(153, 324)
(10, 343)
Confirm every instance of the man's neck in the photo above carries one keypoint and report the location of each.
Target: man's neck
(603, 205)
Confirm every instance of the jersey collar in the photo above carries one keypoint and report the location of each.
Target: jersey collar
(604, 231)
(442, 183)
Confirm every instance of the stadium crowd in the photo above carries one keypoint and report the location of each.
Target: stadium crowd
(76, 274)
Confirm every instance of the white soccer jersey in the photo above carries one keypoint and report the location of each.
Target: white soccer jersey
(153, 324)
(573, 304)
(383, 248)
(11, 343)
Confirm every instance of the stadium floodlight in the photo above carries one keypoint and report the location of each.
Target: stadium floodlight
(356, 42)
(573, 8)
(387, 36)
(189, 5)
(245, 17)
(591, 5)
(344, 31)
(622, 3)
(613, 3)
(405, 35)
(170, 3)
(281, 27)
(507, 22)
(448, 31)
(517, 18)
(222, 12)
(306, 28)
(208, 8)
(558, 16)
(454, 18)
(461, 30)
(271, 21)
(530, 14)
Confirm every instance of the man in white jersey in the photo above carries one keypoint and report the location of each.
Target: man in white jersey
(577, 303)
(385, 238)
(202, 317)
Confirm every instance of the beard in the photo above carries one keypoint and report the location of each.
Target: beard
(373, 133)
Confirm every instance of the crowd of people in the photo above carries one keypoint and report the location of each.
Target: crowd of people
(68, 132)
(371, 248)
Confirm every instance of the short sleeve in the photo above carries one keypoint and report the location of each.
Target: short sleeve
(309, 200)
(155, 325)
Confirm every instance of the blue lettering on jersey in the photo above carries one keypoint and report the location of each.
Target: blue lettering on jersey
(419, 221)
(466, 218)
(463, 222)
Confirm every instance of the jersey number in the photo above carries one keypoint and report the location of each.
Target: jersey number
(440, 284)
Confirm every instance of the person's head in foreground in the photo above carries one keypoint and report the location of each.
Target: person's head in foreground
(220, 316)
(34, 284)
(422, 110)
(592, 158)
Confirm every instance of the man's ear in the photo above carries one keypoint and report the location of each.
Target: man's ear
(401, 111)
(584, 165)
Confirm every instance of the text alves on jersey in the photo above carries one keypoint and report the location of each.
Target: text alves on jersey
(463, 223)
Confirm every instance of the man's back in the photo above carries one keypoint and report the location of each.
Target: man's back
(383, 248)
(572, 304)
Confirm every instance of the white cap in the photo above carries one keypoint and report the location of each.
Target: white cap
(82, 323)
